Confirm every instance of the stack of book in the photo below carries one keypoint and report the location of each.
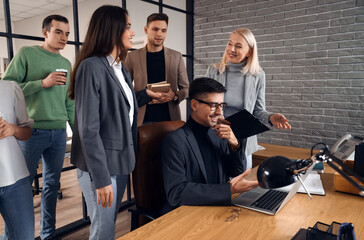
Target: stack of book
(159, 87)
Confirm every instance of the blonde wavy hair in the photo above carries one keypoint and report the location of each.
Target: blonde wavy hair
(252, 66)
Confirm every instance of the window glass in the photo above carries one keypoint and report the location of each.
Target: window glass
(138, 13)
(2, 21)
(27, 16)
(176, 36)
(2, 25)
(4, 61)
(85, 10)
(69, 53)
(181, 4)
(19, 43)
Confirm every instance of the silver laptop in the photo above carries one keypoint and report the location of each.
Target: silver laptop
(269, 201)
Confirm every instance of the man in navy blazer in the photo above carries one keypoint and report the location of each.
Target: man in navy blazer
(201, 157)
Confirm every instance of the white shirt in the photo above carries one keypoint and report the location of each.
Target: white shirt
(13, 109)
(117, 67)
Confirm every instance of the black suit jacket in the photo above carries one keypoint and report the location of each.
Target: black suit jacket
(184, 171)
(104, 142)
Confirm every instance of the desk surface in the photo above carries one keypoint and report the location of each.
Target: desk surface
(189, 222)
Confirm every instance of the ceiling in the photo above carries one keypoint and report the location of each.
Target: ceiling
(21, 9)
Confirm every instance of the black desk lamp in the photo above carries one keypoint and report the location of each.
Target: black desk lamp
(276, 172)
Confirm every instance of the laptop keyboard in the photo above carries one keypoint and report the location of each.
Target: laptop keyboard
(270, 199)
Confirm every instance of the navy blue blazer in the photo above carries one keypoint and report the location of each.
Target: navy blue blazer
(104, 142)
(184, 171)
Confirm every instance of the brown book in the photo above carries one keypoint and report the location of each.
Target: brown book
(159, 87)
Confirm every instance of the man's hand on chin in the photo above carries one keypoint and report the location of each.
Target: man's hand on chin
(223, 130)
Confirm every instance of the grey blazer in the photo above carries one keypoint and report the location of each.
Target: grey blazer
(184, 171)
(254, 100)
(103, 143)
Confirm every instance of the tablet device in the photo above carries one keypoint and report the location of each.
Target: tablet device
(244, 124)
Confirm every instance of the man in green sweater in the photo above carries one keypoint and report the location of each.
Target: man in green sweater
(45, 90)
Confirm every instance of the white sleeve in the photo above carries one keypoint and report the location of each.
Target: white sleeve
(21, 115)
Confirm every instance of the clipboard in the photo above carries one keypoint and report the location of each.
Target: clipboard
(244, 124)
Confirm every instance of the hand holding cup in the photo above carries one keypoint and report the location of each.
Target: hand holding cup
(59, 77)
(65, 72)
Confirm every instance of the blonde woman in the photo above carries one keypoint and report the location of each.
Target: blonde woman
(244, 79)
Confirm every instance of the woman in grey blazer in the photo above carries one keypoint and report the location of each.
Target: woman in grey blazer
(105, 129)
(240, 73)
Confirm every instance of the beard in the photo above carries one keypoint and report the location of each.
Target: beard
(156, 43)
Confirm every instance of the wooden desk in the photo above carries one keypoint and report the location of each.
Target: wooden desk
(278, 150)
(188, 222)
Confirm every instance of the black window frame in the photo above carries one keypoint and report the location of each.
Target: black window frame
(9, 35)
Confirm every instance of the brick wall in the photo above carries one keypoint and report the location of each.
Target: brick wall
(312, 53)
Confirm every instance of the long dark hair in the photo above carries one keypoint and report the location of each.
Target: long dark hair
(105, 31)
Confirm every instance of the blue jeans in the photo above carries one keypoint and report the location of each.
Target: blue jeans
(51, 146)
(16, 207)
(102, 219)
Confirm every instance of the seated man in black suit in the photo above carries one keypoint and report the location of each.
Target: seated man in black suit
(199, 158)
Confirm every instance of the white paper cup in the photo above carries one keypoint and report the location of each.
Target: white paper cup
(63, 71)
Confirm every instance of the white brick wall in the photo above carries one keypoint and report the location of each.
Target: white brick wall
(312, 52)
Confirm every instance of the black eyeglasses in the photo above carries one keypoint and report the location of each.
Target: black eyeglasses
(213, 105)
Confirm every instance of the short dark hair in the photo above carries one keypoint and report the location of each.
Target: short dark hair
(203, 85)
(157, 17)
(48, 21)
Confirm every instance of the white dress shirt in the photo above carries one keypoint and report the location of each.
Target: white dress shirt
(117, 67)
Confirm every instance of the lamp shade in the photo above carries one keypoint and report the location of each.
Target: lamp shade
(276, 172)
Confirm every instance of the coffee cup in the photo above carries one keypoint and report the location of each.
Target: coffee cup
(63, 71)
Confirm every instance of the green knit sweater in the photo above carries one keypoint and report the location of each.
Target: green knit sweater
(49, 107)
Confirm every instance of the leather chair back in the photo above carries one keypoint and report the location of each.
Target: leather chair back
(148, 183)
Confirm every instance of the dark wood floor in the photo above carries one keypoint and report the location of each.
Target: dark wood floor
(69, 209)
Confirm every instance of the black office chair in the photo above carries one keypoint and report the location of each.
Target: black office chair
(148, 183)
